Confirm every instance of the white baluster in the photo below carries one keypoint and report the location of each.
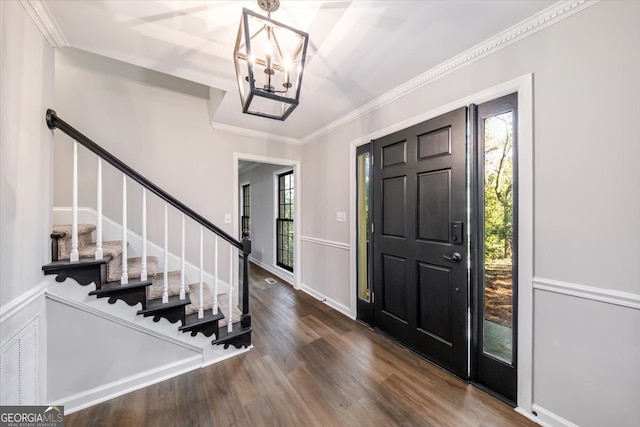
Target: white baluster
(230, 315)
(124, 279)
(165, 293)
(74, 256)
(99, 252)
(143, 266)
(182, 264)
(215, 277)
(200, 307)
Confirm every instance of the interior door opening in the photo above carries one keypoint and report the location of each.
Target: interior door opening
(267, 205)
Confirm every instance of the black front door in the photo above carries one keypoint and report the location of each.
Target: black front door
(420, 244)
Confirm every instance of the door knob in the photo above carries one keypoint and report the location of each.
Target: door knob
(456, 257)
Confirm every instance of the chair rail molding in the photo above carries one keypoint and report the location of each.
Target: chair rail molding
(608, 296)
(323, 242)
(17, 304)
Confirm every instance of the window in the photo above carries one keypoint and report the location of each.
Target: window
(284, 221)
(246, 207)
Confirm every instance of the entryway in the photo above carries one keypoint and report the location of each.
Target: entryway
(268, 208)
(436, 245)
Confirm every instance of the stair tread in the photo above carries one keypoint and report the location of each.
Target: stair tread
(66, 228)
(156, 305)
(116, 287)
(207, 303)
(56, 265)
(157, 288)
(224, 335)
(192, 321)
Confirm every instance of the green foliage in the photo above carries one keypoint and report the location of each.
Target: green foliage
(498, 186)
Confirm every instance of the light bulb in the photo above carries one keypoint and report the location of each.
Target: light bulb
(268, 48)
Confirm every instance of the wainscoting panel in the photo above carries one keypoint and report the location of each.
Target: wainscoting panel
(586, 353)
(326, 271)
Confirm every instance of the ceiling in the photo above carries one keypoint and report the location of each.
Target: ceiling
(358, 50)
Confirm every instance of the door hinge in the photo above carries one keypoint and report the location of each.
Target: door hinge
(373, 297)
(373, 228)
(373, 159)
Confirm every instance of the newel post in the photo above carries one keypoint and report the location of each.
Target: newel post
(246, 250)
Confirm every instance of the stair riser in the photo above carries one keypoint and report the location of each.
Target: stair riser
(114, 269)
(64, 244)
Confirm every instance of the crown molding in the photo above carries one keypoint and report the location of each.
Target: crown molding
(254, 134)
(549, 16)
(42, 17)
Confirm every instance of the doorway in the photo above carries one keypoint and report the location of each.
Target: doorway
(267, 203)
(433, 255)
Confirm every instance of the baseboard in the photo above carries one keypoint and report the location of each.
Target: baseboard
(330, 302)
(279, 273)
(109, 391)
(532, 417)
(229, 353)
(548, 418)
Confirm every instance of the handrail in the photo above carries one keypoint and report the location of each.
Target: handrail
(55, 122)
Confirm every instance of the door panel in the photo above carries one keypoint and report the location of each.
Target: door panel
(434, 213)
(393, 197)
(420, 181)
(435, 301)
(394, 297)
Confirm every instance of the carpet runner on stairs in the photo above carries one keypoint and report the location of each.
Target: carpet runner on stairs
(149, 293)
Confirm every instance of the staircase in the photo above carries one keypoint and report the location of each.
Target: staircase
(138, 281)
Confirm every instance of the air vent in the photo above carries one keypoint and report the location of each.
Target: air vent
(19, 367)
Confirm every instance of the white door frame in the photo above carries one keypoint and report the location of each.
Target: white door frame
(524, 86)
(295, 164)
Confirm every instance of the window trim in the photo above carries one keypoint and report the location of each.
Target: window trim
(277, 175)
(243, 207)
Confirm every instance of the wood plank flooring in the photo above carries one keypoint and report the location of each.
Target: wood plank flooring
(310, 366)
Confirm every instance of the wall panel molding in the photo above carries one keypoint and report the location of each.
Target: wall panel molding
(608, 296)
(17, 304)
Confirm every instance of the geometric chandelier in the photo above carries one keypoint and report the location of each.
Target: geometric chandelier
(269, 59)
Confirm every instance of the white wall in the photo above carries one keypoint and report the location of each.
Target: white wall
(586, 203)
(90, 355)
(26, 91)
(159, 125)
(263, 218)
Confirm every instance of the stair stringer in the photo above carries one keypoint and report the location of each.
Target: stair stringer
(201, 352)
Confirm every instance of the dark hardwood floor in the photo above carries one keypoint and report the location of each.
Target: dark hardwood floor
(310, 366)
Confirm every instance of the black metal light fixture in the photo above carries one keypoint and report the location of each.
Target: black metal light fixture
(269, 58)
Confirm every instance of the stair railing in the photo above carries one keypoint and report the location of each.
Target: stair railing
(244, 246)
